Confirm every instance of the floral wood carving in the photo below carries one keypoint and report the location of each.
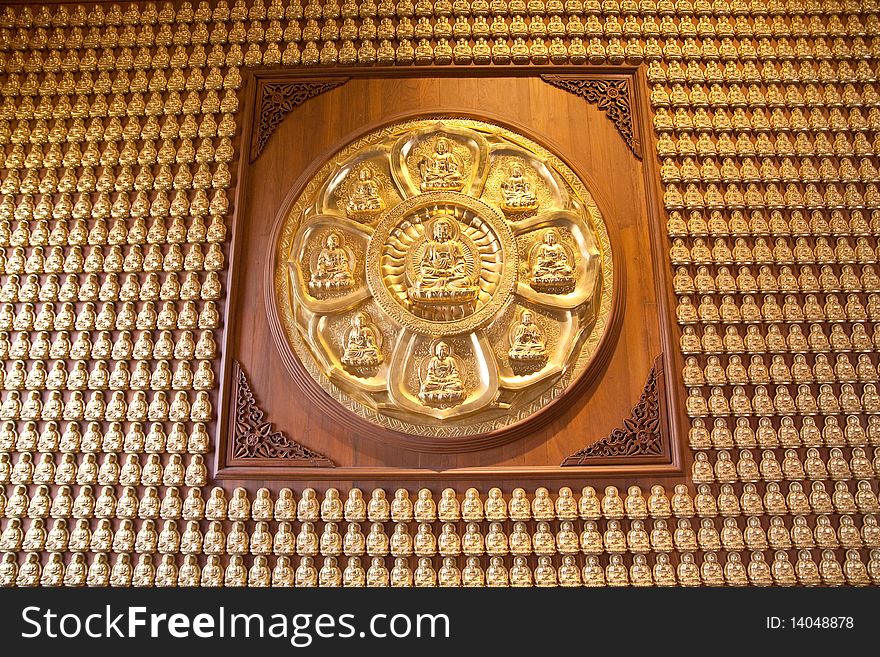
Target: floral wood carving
(253, 437)
(641, 434)
(276, 100)
(612, 96)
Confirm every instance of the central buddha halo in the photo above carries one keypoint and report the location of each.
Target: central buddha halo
(439, 263)
(443, 278)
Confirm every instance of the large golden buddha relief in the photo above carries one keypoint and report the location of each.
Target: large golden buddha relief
(443, 278)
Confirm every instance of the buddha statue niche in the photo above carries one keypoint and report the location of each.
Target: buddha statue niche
(445, 270)
(552, 266)
(441, 382)
(519, 199)
(527, 348)
(365, 197)
(442, 170)
(362, 345)
(332, 269)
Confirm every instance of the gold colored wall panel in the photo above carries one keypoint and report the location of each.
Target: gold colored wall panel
(119, 136)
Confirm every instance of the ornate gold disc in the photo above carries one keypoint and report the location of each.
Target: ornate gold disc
(401, 242)
(443, 278)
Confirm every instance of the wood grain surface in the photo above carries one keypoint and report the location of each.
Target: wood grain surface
(584, 137)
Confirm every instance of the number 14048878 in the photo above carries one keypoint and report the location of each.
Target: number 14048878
(810, 623)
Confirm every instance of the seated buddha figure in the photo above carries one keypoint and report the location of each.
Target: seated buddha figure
(332, 270)
(519, 199)
(443, 274)
(365, 199)
(527, 342)
(441, 381)
(361, 345)
(442, 170)
(552, 269)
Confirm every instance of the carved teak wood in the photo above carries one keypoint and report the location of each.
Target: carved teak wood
(611, 96)
(300, 428)
(642, 434)
(254, 438)
(277, 100)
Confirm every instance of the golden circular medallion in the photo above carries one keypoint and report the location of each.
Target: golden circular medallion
(443, 278)
(409, 248)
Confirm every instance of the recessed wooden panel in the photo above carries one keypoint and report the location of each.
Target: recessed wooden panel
(567, 125)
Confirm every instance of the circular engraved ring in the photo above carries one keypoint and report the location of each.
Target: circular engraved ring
(419, 296)
(444, 281)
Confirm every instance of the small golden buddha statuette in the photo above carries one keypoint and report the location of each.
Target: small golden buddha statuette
(519, 199)
(365, 197)
(552, 266)
(520, 573)
(378, 509)
(443, 169)
(362, 345)
(497, 574)
(442, 382)
(449, 509)
(332, 268)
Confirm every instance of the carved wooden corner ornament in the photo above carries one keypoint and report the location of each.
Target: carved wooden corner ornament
(641, 434)
(275, 100)
(253, 437)
(612, 96)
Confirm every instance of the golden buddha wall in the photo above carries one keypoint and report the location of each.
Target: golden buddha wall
(118, 132)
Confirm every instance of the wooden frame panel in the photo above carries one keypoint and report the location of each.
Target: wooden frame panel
(668, 461)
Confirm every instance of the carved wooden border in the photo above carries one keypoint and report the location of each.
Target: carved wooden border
(642, 433)
(669, 462)
(253, 437)
(275, 100)
(611, 95)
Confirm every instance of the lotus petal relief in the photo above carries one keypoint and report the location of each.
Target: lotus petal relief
(443, 277)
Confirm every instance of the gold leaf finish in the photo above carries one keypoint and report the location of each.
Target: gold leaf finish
(444, 277)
